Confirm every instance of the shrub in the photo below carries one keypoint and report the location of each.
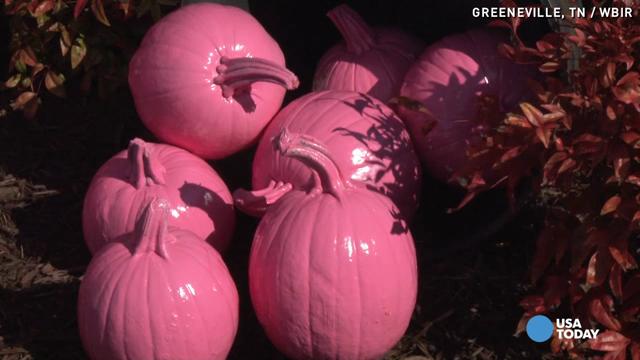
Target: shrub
(578, 142)
(63, 47)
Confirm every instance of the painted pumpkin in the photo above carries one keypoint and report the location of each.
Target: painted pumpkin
(332, 273)
(447, 80)
(161, 293)
(208, 78)
(372, 61)
(368, 141)
(200, 200)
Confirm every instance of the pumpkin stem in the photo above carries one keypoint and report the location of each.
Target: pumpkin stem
(313, 154)
(239, 73)
(151, 229)
(145, 168)
(358, 36)
(256, 203)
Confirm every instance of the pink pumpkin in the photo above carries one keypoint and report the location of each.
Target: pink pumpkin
(200, 201)
(368, 141)
(208, 78)
(372, 61)
(332, 274)
(447, 79)
(161, 293)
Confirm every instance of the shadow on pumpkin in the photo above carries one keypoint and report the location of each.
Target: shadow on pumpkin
(198, 196)
(384, 140)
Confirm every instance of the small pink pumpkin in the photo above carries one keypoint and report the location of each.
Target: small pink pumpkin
(208, 78)
(160, 293)
(332, 274)
(368, 141)
(372, 61)
(447, 79)
(200, 200)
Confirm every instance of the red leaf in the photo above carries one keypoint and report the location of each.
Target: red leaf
(80, 5)
(635, 351)
(611, 205)
(549, 67)
(609, 341)
(600, 312)
(623, 258)
(615, 281)
(598, 269)
(98, 11)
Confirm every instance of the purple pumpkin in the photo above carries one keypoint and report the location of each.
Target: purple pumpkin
(160, 293)
(208, 78)
(372, 61)
(368, 141)
(447, 79)
(332, 273)
(200, 200)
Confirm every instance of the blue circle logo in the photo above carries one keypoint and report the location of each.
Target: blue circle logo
(539, 328)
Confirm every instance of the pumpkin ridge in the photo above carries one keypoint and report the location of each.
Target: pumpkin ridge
(125, 313)
(106, 319)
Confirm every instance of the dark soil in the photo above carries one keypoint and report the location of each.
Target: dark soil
(473, 264)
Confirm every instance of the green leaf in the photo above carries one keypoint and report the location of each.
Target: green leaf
(20, 66)
(78, 52)
(13, 81)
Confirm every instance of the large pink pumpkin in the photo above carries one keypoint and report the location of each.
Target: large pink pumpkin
(368, 141)
(372, 61)
(208, 78)
(200, 200)
(161, 293)
(447, 79)
(332, 273)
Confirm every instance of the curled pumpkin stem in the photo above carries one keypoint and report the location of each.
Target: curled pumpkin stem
(313, 154)
(151, 229)
(236, 74)
(145, 168)
(358, 36)
(255, 203)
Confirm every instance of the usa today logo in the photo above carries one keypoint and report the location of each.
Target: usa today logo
(540, 329)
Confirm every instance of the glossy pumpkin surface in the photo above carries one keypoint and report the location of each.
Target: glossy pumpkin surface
(332, 271)
(160, 293)
(208, 78)
(200, 200)
(368, 142)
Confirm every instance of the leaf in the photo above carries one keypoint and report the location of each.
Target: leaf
(611, 205)
(531, 113)
(599, 311)
(13, 81)
(609, 341)
(98, 10)
(623, 258)
(55, 84)
(80, 5)
(615, 281)
(23, 99)
(65, 40)
(78, 52)
(549, 67)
